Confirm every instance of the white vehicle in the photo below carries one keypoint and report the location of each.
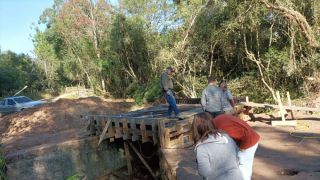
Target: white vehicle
(17, 103)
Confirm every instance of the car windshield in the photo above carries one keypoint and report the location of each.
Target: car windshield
(22, 99)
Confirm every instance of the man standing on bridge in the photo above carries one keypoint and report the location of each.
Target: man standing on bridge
(167, 90)
(212, 98)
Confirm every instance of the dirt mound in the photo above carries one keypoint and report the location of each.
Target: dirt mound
(53, 118)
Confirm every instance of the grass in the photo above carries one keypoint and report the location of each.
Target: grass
(3, 167)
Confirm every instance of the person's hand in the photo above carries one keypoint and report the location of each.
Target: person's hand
(169, 93)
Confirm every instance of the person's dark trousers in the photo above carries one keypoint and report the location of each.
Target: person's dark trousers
(216, 113)
(172, 104)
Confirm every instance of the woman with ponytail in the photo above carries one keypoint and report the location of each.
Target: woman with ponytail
(216, 152)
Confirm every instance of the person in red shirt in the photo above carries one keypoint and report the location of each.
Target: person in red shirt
(245, 137)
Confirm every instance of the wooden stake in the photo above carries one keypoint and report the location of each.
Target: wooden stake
(142, 160)
(128, 157)
(289, 104)
(280, 106)
(104, 132)
(283, 122)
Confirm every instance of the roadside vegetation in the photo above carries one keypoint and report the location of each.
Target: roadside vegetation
(2, 166)
(259, 46)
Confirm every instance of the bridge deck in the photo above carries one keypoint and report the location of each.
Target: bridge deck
(145, 125)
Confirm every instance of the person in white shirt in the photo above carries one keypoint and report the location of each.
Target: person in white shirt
(228, 102)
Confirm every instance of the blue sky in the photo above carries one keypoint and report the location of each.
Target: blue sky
(16, 18)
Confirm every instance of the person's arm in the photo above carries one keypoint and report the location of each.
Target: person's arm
(164, 83)
(203, 159)
(230, 98)
(203, 100)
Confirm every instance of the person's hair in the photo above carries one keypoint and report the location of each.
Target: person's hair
(202, 126)
(170, 68)
(222, 81)
(211, 79)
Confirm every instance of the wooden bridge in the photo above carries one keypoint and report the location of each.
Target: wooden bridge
(147, 125)
(152, 125)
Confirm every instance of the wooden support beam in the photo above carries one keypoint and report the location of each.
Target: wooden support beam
(142, 160)
(281, 107)
(154, 133)
(128, 157)
(97, 124)
(134, 129)
(283, 121)
(126, 134)
(103, 134)
(118, 129)
(289, 104)
(143, 131)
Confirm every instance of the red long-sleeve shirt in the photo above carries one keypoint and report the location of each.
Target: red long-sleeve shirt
(237, 129)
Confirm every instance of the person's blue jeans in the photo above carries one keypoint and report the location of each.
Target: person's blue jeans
(246, 157)
(172, 104)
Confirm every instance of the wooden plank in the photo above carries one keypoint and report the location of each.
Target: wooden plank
(126, 134)
(118, 129)
(280, 107)
(103, 134)
(154, 132)
(294, 108)
(142, 160)
(128, 157)
(284, 123)
(111, 132)
(180, 137)
(289, 104)
(144, 136)
(134, 130)
(187, 114)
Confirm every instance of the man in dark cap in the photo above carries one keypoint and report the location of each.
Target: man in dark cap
(167, 89)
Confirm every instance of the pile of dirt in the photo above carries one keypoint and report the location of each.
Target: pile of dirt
(35, 125)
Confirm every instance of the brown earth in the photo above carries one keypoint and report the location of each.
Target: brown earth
(54, 122)
(288, 152)
(284, 153)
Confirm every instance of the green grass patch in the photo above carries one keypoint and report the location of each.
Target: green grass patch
(3, 167)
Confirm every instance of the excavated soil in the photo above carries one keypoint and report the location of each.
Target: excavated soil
(54, 122)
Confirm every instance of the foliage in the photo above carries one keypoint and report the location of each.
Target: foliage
(76, 176)
(3, 167)
(17, 71)
(145, 93)
(122, 50)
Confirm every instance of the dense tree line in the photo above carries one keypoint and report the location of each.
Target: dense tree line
(259, 46)
(18, 71)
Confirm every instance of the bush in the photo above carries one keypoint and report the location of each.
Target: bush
(145, 93)
(250, 86)
(3, 167)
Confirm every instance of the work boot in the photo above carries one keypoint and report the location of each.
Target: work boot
(179, 116)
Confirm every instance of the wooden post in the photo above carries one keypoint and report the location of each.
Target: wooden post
(280, 106)
(283, 122)
(289, 104)
(142, 160)
(125, 129)
(128, 157)
(247, 99)
(103, 134)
